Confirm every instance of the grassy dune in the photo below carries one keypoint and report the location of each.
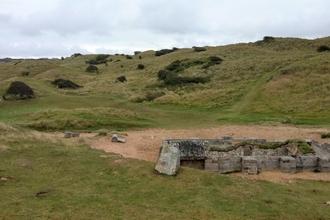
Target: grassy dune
(42, 176)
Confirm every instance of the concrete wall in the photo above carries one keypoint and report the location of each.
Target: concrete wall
(248, 159)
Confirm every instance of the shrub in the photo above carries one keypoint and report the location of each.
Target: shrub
(179, 80)
(76, 55)
(140, 57)
(102, 57)
(129, 57)
(323, 48)
(175, 66)
(92, 62)
(140, 66)
(137, 52)
(65, 84)
(153, 95)
(25, 73)
(92, 69)
(165, 51)
(18, 90)
(121, 79)
(163, 74)
(199, 49)
(213, 60)
(268, 39)
(325, 135)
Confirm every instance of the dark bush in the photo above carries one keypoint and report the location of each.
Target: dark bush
(150, 96)
(325, 135)
(76, 55)
(62, 58)
(65, 84)
(163, 52)
(25, 73)
(268, 39)
(137, 52)
(121, 79)
(323, 48)
(92, 69)
(140, 66)
(175, 66)
(102, 57)
(92, 62)
(213, 60)
(140, 57)
(179, 80)
(163, 74)
(18, 90)
(129, 57)
(199, 49)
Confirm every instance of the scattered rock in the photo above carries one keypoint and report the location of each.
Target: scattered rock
(69, 134)
(115, 138)
(327, 202)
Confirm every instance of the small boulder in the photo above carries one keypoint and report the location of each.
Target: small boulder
(168, 160)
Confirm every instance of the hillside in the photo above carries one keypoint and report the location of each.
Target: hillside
(270, 81)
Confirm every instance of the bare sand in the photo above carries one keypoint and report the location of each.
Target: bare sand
(145, 144)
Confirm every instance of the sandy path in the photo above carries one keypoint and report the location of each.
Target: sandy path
(145, 144)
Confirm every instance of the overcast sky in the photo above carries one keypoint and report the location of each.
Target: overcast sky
(55, 28)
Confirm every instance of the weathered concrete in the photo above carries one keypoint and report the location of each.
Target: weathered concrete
(306, 163)
(168, 160)
(324, 164)
(115, 138)
(268, 163)
(288, 165)
(69, 134)
(229, 164)
(249, 165)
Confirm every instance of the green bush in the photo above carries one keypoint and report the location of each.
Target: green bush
(92, 69)
(325, 135)
(25, 73)
(129, 57)
(165, 51)
(175, 66)
(268, 39)
(65, 84)
(323, 48)
(102, 57)
(179, 80)
(18, 90)
(199, 49)
(140, 66)
(137, 52)
(121, 79)
(213, 60)
(76, 55)
(163, 74)
(153, 95)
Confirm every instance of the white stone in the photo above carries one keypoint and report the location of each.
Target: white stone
(169, 160)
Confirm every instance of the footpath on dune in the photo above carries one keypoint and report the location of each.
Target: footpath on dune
(145, 144)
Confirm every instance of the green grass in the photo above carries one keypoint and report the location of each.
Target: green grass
(44, 177)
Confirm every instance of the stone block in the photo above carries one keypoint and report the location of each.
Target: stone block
(324, 164)
(211, 165)
(229, 164)
(288, 164)
(268, 163)
(168, 160)
(306, 163)
(249, 165)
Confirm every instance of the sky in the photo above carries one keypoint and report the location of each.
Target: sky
(56, 28)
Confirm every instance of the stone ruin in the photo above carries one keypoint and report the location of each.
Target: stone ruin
(227, 155)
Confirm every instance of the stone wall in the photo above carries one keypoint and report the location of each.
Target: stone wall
(249, 158)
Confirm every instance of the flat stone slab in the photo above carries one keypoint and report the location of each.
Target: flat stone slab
(115, 138)
(168, 160)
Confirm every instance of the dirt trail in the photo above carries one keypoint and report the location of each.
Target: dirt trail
(145, 144)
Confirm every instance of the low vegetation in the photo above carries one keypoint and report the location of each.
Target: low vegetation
(18, 90)
(65, 84)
